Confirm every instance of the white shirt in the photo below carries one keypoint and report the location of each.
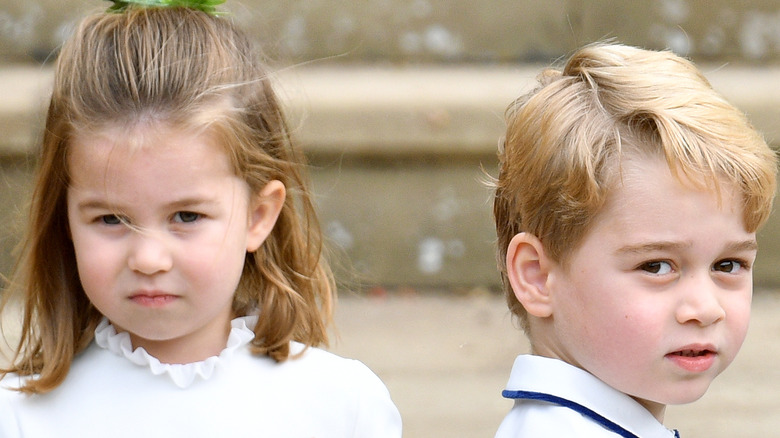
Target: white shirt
(115, 391)
(556, 399)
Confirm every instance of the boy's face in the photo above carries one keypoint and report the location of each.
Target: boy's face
(656, 300)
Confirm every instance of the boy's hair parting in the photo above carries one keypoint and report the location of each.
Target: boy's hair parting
(564, 141)
(190, 70)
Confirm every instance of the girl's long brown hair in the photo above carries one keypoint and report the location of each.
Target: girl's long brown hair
(188, 69)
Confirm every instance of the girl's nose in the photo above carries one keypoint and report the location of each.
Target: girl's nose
(701, 302)
(149, 254)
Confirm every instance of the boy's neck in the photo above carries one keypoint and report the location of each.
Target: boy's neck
(540, 349)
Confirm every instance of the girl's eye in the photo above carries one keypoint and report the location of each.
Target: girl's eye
(728, 266)
(656, 267)
(110, 219)
(186, 217)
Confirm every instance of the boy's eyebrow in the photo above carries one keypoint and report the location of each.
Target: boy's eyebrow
(745, 245)
(737, 246)
(653, 246)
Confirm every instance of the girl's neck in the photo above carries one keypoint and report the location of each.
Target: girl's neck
(184, 349)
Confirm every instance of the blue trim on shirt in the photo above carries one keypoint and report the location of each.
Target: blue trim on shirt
(600, 419)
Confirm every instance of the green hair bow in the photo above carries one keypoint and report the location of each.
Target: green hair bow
(207, 6)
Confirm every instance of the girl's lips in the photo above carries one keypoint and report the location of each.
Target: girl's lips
(694, 358)
(152, 299)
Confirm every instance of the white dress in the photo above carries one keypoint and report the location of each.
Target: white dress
(115, 391)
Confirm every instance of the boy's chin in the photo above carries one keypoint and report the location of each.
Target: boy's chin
(682, 396)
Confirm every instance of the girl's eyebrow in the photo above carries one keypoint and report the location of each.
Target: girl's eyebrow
(95, 204)
(189, 202)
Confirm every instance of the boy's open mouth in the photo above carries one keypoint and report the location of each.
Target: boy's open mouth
(694, 358)
(692, 353)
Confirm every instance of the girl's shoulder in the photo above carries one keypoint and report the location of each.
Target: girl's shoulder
(326, 363)
(9, 384)
(314, 369)
(9, 397)
(346, 385)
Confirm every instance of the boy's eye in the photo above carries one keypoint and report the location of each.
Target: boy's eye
(186, 217)
(728, 266)
(656, 267)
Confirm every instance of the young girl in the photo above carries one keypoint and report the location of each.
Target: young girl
(171, 279)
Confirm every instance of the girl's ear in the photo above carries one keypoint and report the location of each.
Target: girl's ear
(527, 268)
(264, 210)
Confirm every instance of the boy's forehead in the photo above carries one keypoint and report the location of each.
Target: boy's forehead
(690, 174)
(643, 180)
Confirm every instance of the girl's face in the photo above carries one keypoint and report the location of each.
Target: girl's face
(161, 226)
(656, 300)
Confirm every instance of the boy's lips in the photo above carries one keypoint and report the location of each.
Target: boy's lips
(694, 358)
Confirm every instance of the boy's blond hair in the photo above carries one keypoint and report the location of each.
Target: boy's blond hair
(565, 139)
(187, 69)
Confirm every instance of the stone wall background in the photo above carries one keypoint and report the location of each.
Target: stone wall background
(447, 31)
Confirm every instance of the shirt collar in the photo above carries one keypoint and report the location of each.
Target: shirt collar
(556, 378)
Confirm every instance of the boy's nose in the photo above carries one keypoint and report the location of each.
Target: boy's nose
(149, 254)
(701, 302)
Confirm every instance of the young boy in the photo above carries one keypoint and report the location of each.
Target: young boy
(626, 207)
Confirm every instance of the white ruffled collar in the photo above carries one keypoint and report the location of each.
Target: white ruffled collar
(182, 374)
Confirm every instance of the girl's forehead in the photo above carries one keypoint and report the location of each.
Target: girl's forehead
(128, 133)
(133, 170)
(140, 136)
(116, 147)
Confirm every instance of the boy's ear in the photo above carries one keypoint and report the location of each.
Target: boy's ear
(264, 210)
(527, 268)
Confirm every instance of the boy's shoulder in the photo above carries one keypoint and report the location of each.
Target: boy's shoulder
(539, 419)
